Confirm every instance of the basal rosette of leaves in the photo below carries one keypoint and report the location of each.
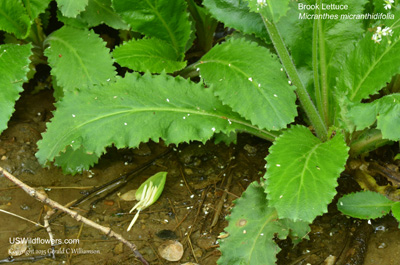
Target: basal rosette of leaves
(250, 82)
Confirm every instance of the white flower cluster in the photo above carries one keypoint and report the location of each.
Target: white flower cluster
(388, 4)
(377, 37)
(264, 2)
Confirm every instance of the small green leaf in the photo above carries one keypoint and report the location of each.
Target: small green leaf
(14, 65)
(365, 205)
(385, 110)
(35, 7)
(302, 172)
(162, 19)
(100, 11)
(135, 109)
(14, 18)
(250, 79)
(151, 55)
(389, 116)
(235, 14)
(253, 225)
(80, 54)
(270, 9)
(75, 161)
(71, 8)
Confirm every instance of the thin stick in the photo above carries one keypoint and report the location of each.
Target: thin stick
(20, 217)
(55, 205)
(48, 229)
(221, 202)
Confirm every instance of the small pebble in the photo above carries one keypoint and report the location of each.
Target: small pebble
(171, 250)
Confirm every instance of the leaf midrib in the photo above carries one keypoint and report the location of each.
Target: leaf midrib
(371, 68)
(255, 84)
(74, 52)
(130, 111)
(170, 33)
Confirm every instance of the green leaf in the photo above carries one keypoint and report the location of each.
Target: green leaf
(100, 11)
(235, 14)
(271, 10)
(71, 8)
(340, 34)
(151, 55)
(250, 80)
(253, 225)
(365, 205)
(369, 66)
(162, 19)
(389, 116)
(14, 18)
(35, 7)
(14, 65)
(302, 172)
(79, 58)
(134, 110)
(385, 110)
(75, 161)
(396, 211)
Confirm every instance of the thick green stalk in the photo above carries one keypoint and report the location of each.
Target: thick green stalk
(304, 97)
(324, 89)
(315, 65)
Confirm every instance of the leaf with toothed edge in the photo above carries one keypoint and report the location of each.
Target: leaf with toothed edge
(79, 58)
(161, 19)
(235, 14)
(249, 78)
(71, 8)
(136, 109)
(14, 62)
(75, 161)
(253, 224)
(302, 173)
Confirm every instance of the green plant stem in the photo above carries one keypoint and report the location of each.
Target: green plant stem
(367, 141)
(304, 97)
(323, 67)
(315, 66)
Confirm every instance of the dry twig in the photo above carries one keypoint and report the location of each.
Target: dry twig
(55, 205)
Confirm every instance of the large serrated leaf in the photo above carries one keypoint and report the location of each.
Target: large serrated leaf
(151, 55)
(100, 11)
(369, 66)
(136, 109)
(71, 8)
(79, 58)
(35, 7)
(365, 205)
(302, 172)
(14, 62)
(162, 19)
(249, 78)
(235, 14)
(14, 19)
(252, 227)
(271, 10)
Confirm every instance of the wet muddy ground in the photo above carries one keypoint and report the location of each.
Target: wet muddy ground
(191, 209)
